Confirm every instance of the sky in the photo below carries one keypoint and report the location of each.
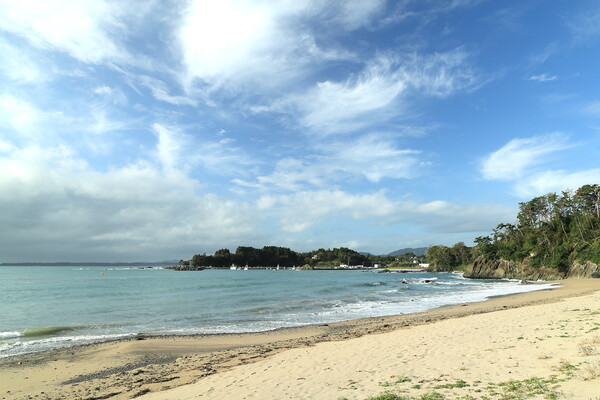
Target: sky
(156, 130)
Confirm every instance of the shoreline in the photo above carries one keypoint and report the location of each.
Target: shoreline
(131, 367)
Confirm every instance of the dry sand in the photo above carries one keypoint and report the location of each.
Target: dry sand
(552, 336)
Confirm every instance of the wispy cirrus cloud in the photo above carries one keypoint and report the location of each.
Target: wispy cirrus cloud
(584, 24)
(376, 94)
(179, 151)
(512, 160)
(592, 109)
(160, 91)
(543, 78)
(371, 158)
(80, 29)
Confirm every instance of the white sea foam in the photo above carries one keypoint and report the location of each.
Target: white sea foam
(10, 335)
(33, 346)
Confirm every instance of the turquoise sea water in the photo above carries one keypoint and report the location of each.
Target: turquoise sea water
(45, 308)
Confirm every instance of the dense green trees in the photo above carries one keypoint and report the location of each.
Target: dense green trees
(267, 256)
(442, 258)
(554, 230)
(271, 256)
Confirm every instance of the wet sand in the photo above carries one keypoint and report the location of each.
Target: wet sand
(354, 359)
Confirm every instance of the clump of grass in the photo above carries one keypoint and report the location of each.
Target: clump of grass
(389, 396)
(402, 379)
(519, 390)
(393, 396)
(590, 371)
(586, 349)
(566, 368)
(431, 396)
(458, 384)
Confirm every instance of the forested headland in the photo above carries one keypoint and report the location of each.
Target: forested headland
(554, 236)
(272, 256)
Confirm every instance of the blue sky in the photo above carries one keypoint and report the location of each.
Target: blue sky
(150, 130)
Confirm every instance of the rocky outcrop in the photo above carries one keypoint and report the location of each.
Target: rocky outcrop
(586, 269)
(498, 269)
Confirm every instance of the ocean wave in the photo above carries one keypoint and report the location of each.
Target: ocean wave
(48, 331)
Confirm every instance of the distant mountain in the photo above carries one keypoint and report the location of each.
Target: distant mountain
(418, 251)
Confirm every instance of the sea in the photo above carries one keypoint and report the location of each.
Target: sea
(45, 308)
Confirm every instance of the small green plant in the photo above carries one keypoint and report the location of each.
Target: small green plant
(566, 368)
(431, 396)
(458, 384)
(389, 396)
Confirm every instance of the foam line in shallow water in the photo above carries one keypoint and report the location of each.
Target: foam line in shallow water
(10, 335)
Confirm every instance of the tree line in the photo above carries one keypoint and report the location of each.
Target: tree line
(272, 256)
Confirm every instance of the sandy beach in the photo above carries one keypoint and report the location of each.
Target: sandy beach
(543, 344)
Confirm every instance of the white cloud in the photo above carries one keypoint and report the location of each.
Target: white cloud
(111, 95)
(377, 93)
(178, 151)
(592, 109)
(234, 43)
(80, 28)
(302, 210)
(543, 78)
(170, 147)
(443, 216)
(160, 92)
(584, 25)
(555, 181)
(223, 39)
(299, 211)
(51, 198)
(5, 146)
(18, 66)
(348, 14)
(333, 107)
(371, 157)
(24, 117)
(513, 159)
